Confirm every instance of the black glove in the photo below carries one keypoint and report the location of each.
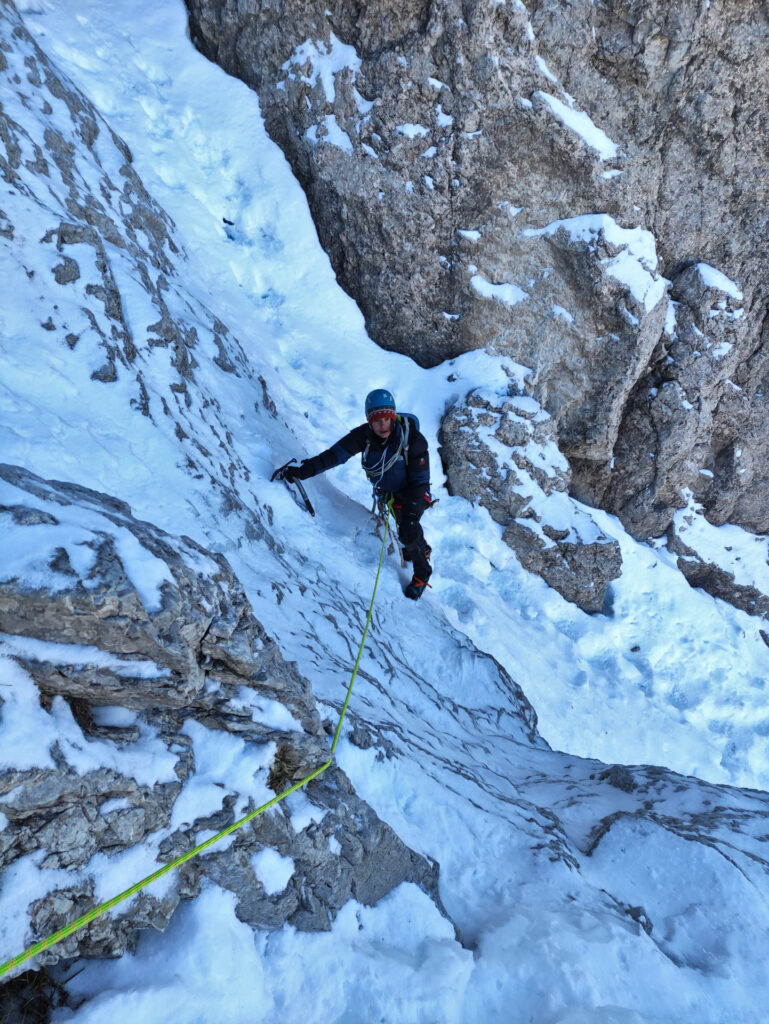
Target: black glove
(289, 473)
(415, 504)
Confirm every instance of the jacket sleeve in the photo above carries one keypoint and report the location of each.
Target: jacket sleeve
(344, 449)
(417, 467)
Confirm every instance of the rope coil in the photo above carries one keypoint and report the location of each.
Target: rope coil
(102, 908)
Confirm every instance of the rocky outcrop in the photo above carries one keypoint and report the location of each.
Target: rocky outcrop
(694, 420)
(500, 451)
(156, 711)
(519, 177)
(719, 582)
(727, 562)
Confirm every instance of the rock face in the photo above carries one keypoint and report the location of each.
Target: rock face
(520, 177)
(501, 452)
(695, 419)
(158, 711)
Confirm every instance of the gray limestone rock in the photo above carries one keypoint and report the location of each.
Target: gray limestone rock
(729, 571)
(140, 645)
(720, 583)
(694, 420)
(501, 452)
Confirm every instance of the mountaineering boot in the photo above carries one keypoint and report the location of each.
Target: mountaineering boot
(416, 588)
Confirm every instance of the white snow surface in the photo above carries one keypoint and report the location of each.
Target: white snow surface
(542, 65)
(714, 278)
(29, 549)
(634, 265)
(412, 131)
(326, 60)
(564, 314)
(79, 654)
(333, 134)
(579, 122)
(504, 292)
(272, 870)
(28, 732)
(671, 677)
(738, 552)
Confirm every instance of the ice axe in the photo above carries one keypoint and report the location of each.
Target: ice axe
(280, 474)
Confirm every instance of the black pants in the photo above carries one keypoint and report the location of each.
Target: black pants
(415, 547)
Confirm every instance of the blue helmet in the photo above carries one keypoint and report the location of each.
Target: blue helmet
(380, 403)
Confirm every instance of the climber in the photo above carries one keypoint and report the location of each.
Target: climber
(395, 459)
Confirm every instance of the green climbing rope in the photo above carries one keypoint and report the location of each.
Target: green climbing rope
(102, 908)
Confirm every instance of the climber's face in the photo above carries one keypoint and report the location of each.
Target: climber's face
(382, 426)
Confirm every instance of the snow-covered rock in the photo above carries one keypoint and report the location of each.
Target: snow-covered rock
(501, 451)
(146, 709)
(726, 561)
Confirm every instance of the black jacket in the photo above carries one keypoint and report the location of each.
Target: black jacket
(399, 465)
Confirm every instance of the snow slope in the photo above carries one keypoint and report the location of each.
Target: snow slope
(671, 678)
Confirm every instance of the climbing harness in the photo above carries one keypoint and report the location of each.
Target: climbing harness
(380, 511)
(293, 483)
(102, 908)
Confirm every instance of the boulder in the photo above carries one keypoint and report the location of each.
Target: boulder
(694, 421)
(500, 451)
(726, 561)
